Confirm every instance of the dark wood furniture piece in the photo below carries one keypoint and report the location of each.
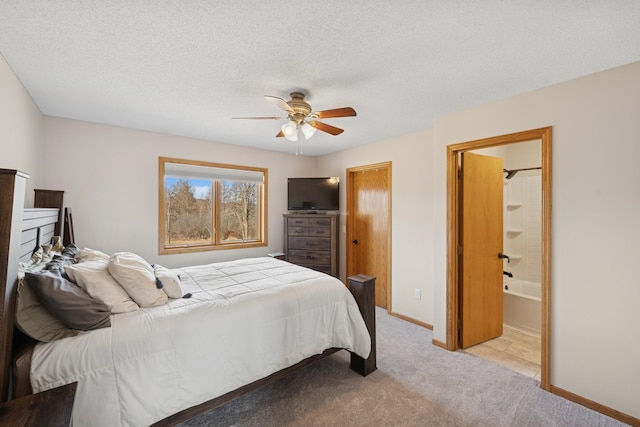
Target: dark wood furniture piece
(311, 240)
(23, 230)
(55, 199)
(51, 408)
(359, 285)
(12, 188)
(51, 199)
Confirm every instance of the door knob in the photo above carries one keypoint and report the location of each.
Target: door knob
(355, 241)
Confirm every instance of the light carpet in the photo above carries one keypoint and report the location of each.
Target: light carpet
(416, 384)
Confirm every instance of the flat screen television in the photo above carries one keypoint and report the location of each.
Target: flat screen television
(313, 194)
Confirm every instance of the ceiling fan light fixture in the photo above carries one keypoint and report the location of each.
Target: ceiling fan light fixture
(307, 130)
(290, 130)
(302, 119)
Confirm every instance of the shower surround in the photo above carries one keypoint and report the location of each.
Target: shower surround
(523, 244)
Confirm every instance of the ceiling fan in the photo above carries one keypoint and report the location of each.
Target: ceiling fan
(302, 118)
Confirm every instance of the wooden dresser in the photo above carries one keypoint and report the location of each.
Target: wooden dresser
(311, 240)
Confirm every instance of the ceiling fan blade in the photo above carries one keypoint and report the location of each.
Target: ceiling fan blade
(279, 102)
(336, 112)
(325, 127)
(280, 134)
(256, 118)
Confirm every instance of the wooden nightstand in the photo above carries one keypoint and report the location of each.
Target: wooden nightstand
(48, 408)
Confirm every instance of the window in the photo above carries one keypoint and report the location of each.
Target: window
(206, 206)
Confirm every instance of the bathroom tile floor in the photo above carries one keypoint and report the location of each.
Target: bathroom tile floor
(516, 350)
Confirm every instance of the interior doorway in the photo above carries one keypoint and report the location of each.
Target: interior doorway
(369, 226)
(502, 293)
(454, 233)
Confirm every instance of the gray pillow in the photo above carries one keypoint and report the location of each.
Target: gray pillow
(67, 302)
(35, 320)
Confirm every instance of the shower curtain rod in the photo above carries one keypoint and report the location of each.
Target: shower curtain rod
(512, 172)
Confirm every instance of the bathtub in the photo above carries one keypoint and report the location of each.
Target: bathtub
(521, 307)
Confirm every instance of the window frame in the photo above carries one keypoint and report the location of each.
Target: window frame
(163, 249)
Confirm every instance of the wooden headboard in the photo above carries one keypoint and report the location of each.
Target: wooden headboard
(21, 232)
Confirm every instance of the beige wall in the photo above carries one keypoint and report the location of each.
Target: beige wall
(523, 155)
(411, 216)
(110, 177)
(21, 130)
(596, 206)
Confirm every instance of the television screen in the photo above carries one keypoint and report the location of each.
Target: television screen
(314, 194)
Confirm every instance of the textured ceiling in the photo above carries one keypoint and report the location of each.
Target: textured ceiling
(187, 67)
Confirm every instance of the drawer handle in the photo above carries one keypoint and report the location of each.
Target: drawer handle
(310, 244)
(310, 257)
(299, 231)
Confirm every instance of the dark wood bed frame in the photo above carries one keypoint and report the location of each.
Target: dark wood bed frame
(23, 230)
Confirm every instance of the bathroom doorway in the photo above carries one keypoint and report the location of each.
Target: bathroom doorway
(510, 290)
(453, 237)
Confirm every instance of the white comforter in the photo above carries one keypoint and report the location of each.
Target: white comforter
(246, 319)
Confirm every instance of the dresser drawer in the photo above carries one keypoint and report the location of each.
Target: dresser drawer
(320, 222)
(298, 231)
(298, 222)
(319, 232)
(307, 258)
(310, 243)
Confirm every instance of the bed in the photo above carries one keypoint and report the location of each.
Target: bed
(246, 323)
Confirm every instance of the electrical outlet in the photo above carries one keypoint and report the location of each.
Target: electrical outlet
(417, 294)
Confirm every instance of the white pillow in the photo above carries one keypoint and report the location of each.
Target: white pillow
(87, 254)
(170, 282)
(136, 276)
(94, 278)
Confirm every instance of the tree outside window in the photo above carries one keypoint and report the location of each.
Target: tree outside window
(207, 206)
(189, 211)
(238, 211)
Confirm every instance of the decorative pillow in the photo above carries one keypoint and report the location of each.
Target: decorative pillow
(87, 254)
(67, 302)
(94, 278)
(34, 320)
(170, 282)
(136, 276)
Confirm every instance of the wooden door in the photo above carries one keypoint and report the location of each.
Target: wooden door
(369, 226)
(481, 236)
